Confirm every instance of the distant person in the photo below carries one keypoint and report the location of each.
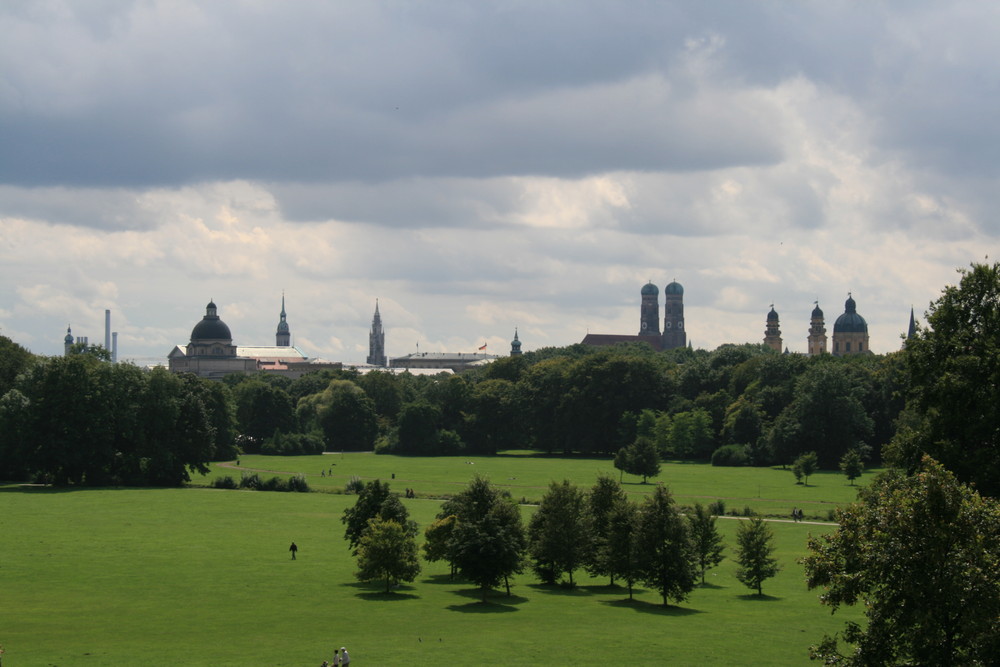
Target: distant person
(345, 659)
(293, 549)
(795, 514)
(336, 658)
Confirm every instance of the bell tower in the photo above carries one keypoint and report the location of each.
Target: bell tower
(817, 333)
(649, 311)
(673, 316)
(772, 333)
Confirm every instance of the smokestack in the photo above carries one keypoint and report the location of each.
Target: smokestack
(114, 347)
(107, 330)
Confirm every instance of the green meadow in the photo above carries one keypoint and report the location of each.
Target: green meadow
(203, 576)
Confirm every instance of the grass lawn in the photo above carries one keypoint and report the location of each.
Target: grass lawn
(768, 491)
(203, 576)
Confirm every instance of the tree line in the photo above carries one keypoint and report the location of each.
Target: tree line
(736, 405)
(480, 534)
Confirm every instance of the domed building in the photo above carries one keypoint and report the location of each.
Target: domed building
(212, 354)
(850, 331)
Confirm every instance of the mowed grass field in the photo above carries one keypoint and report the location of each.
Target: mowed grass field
(203, 576)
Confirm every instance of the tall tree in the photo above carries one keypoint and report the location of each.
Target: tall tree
(344, 414)
(601, 501)
(387, 552)
(559, 533)
(921, 553)
(489, 542)
(618, 552)
(954, 395)
(705, 539)
(374, 500)
(437, 540)
(664, 556)
(754, 546)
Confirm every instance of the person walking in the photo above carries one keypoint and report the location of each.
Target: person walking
(293, 549)
(345, 659)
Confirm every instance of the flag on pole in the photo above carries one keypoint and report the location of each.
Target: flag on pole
(483, 347)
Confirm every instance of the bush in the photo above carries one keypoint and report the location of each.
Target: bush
(226, 482)
(354, 485)
(298, 484)
(717, 508)
(274, 484)
(731, 455)
(250, 480)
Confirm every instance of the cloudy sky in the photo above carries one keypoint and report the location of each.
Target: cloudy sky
(482, 166)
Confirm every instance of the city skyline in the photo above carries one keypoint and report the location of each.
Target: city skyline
(486, 168)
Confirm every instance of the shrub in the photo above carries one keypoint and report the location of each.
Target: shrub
(226, 482)
(250, 480)
(731, 455)
(717, 508)
(354, 485)
(298, 483)
(274, 484)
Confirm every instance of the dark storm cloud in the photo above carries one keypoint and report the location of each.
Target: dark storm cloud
(148, 94)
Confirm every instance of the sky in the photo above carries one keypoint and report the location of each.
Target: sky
(482, 167)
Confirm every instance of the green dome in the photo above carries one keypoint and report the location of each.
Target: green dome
(674, 288)
(850, 321)
(649, 289)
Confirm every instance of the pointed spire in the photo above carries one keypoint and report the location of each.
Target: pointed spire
(912, 330)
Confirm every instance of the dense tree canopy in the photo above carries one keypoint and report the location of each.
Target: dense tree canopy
(79, 420)
(921, 553)
(954, 389)
(559, 533)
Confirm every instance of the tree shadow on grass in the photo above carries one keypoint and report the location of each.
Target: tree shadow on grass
(376, 592)
(650, 608)
(566, 589)
(496, 602)
(710, 585)
(443, 579)
(753, 597)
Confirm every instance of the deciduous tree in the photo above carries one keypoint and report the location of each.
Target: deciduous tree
(954, 393)
(754, 546)
(705, 539)
(489, 542)
(664, 556)
(387, 552)
(601, 502)
(921, 554)
(852, 466)
(559, 533)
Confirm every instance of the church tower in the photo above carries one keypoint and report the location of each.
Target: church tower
(817, 333)
(283, 338)
(673, 316)
(68, 340)
(515, 345)
(772, 334)
(376, 341)
(649, 313)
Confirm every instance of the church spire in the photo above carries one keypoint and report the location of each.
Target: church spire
(515, 345)
(376, 340)
(283, 337)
